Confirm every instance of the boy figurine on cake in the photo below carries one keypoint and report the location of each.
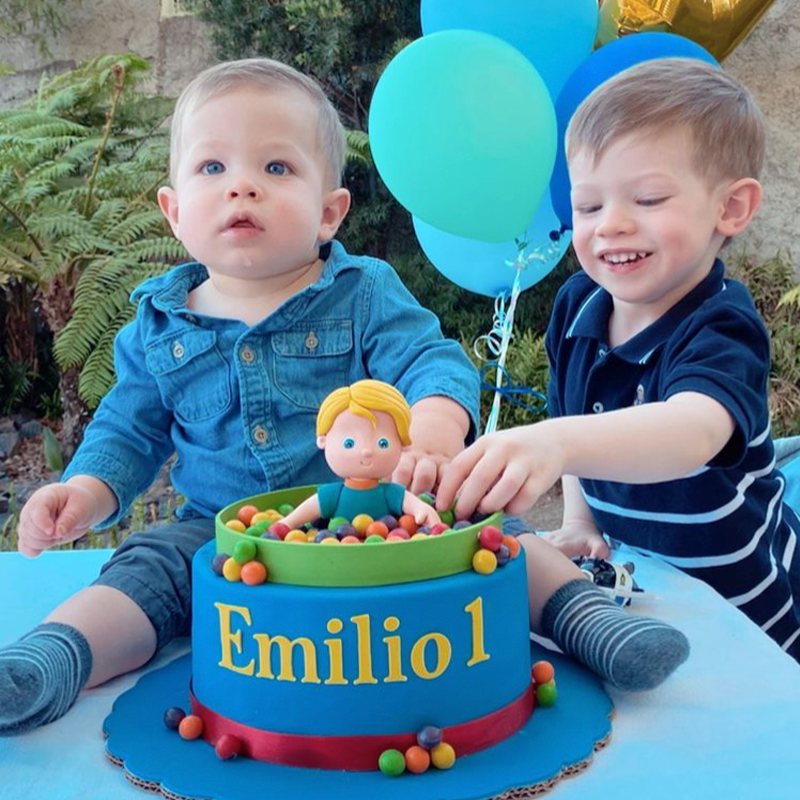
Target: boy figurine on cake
(362, 429)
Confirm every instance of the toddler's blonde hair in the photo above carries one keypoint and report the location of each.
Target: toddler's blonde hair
(363, 398)
(726, 125)
(269, 75)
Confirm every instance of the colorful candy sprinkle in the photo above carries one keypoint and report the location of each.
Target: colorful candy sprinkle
(190, 727)
(512, 544)
(296, 536)
(443, 756)
(418, 759)
(392, 763)
(236, 525)
(253, 573)
(232, 570)
(484, 562)
(244, 551)
(491, 538)
(218, 562)
(173, 717)
(245, 514)
(546, 694)
(542, 672)
(361, 523)
(429, 736)
(228, 746)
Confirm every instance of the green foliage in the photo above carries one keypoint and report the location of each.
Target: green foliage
(777, 298)
(79, 167)
(16, 380)
(52, 451)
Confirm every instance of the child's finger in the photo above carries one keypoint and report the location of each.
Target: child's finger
(455, 473)
(27, 550)
(481, 479)
(404, 471)
(505, 490)
(424, 476)
(40, 516)
(598, 548)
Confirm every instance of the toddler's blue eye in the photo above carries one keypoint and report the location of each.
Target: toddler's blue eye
(348, 443)
(213, 168)
(276, 168)
(383, 443)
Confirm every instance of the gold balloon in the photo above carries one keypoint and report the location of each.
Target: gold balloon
(717, 25)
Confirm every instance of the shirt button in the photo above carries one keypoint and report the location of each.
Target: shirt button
(177, 350)
(312, 343)
(602, 352)
(260, 434)
(247, 354)
(597, 408)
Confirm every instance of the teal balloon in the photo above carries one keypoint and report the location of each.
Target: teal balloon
(463, 133)
(556, 37)
(481, 267)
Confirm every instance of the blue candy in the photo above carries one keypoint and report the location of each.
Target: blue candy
(217, 562)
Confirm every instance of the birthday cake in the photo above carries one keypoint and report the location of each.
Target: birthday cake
(333, 656)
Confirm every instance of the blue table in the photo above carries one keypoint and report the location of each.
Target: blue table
(726, 725)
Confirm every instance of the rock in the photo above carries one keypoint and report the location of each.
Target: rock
(30, 429)
(21, 417)
(9, 442)
(7, 425)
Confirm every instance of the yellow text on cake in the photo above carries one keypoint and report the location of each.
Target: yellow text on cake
(434, 643)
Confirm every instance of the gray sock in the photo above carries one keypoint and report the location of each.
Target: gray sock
(630, 652)
(41, 675)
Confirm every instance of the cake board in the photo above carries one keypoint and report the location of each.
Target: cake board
(557, 742)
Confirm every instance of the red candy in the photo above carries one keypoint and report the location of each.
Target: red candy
(246, 514)
(439, 528)
(280, 529)
(491, 538)
(400, 533)
(228, 746)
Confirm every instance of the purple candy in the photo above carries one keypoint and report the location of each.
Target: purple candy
(462, 523)
(173, 717)
(270, 535)
(429, 736)
(218, 562)
(346, 530)
(503, 556)
(389, 521)
(324, 534)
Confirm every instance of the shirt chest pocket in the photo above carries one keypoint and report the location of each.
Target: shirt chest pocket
(310, 362)
(191, 374)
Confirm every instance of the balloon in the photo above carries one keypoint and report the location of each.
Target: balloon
(599, 67)
(717, 25)
(463, 133)
(555, 36)
(481, 266)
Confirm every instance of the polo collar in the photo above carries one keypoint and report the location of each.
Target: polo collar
(591, 321)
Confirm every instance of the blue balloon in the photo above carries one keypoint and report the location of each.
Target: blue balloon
(481, 267)
(554, 37)
(603, 64)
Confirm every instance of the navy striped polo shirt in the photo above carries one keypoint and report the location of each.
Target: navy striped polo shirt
(725, 523)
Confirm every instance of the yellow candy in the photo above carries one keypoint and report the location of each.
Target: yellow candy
(312, 534)
(296, 536)
(330, 540)
(443, 756)
(232, 570)
(274, 514)
(484, 562)
(361, 523)
(236, 525)
(420, 536)
(260, 516)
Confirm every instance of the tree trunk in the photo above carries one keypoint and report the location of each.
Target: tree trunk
(56, 301)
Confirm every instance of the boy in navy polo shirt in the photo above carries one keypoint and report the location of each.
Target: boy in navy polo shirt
(659, 363)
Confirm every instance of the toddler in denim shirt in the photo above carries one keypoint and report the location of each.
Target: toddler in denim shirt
(226, 364)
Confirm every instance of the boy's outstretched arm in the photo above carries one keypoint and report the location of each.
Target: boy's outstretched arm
(644, 444)
(578, 534)
(439, 427)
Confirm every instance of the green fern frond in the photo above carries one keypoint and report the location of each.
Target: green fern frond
(791, 298)
(135, 226)
(358, 148)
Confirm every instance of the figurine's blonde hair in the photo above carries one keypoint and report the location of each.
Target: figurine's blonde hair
(363, 398)
(726, 125)
(269, 75)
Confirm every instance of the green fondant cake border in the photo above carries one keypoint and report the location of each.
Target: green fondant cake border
(354, 565)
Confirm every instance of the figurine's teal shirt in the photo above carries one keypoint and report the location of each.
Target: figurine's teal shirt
(238, 404)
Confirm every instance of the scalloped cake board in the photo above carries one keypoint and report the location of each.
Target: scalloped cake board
(557, 742)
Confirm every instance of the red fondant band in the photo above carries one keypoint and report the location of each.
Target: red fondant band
(359, 753)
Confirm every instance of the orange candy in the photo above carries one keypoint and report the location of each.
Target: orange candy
(351, 540)
(377, 529)
(253, 573)
(191, 727)
(418, 759)
(512, 544)
(408, 523)
(246, 514)
(296, 536)
(542, 672)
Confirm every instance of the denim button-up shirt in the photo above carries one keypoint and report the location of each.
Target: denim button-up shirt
(238, 404)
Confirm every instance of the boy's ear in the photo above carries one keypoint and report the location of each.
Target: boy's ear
(321, 442)
(336, 204)
(741, 201)
(168, 203)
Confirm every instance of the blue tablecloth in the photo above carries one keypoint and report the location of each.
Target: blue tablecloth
(726, 725)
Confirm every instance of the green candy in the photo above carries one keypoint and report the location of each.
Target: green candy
(285, 509)
(374, 539)
(546, 694)
(252, 531)
(262, 526)
(244, 551)
(426, 498)
(392, 763)
(448, 517)
(337, 523)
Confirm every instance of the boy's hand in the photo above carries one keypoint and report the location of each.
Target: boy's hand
(579, 538)
(418, 471)
(508, 469)
(56, 514)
